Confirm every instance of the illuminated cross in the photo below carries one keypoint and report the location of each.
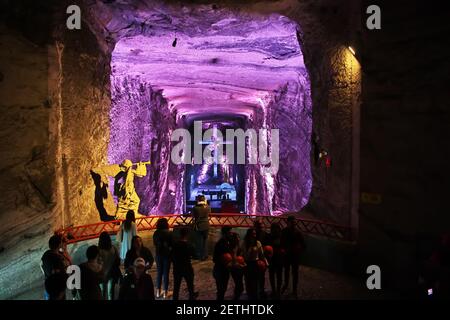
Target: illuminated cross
(213, 144)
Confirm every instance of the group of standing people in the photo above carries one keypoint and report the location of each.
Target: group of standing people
(102, 271)
(244, 261)
(259, 251)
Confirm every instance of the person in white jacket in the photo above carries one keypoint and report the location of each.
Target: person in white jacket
(126, 233)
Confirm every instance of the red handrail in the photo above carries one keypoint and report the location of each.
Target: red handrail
(309, 226)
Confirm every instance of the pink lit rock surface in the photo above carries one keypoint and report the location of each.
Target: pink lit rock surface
(222, 65)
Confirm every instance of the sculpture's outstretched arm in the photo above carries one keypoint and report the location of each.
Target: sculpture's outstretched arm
(141, 169)
(106, 171)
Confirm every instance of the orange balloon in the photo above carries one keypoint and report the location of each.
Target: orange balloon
(261, 265)
(227, 258)
(268, 251)
(240, 260)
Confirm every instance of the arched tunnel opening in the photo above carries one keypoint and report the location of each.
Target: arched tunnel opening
(156, 68)
(234, 72)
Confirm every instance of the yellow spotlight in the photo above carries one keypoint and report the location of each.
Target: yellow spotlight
(352, 50)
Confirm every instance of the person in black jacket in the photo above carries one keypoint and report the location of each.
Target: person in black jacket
(201, 214)
(56, 259)
(182, 254)
(91, 276)
(276, 260)
(293, 244)
(162, 239)
(137, 284)
(221, 269)
(138, 250)
(262, 236)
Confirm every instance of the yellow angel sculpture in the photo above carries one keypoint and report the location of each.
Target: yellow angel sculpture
(127, 198)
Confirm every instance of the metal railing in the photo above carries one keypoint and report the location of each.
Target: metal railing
(308, 226)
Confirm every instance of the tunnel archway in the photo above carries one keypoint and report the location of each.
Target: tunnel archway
(234, 66)
(334, 79)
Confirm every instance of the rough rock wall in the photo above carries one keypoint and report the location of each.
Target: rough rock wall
(28, 205)
(292, 114)
(141, 126)
(85, 99)
(51, 89)
(285, 188)
(26, 173)
(256, 189)
(404, 138)
(328, 26)
(335, 129)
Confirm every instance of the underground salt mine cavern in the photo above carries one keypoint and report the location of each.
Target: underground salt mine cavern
(243, 150)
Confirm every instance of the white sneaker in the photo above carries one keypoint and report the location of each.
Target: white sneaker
(158, 293)
(164, 294)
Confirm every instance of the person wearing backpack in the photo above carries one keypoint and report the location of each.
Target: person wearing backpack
(162, 239)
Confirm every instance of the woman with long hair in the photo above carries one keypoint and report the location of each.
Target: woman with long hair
(138, 250)
(253, 254)
(111, 265)
(162, 239)
(126, 233)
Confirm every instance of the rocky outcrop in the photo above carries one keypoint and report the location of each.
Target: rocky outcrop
(28, 208)
(141, 127)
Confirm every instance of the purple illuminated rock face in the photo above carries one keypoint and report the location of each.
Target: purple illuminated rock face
(289, 111)
(226, 64)
(141, 124)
